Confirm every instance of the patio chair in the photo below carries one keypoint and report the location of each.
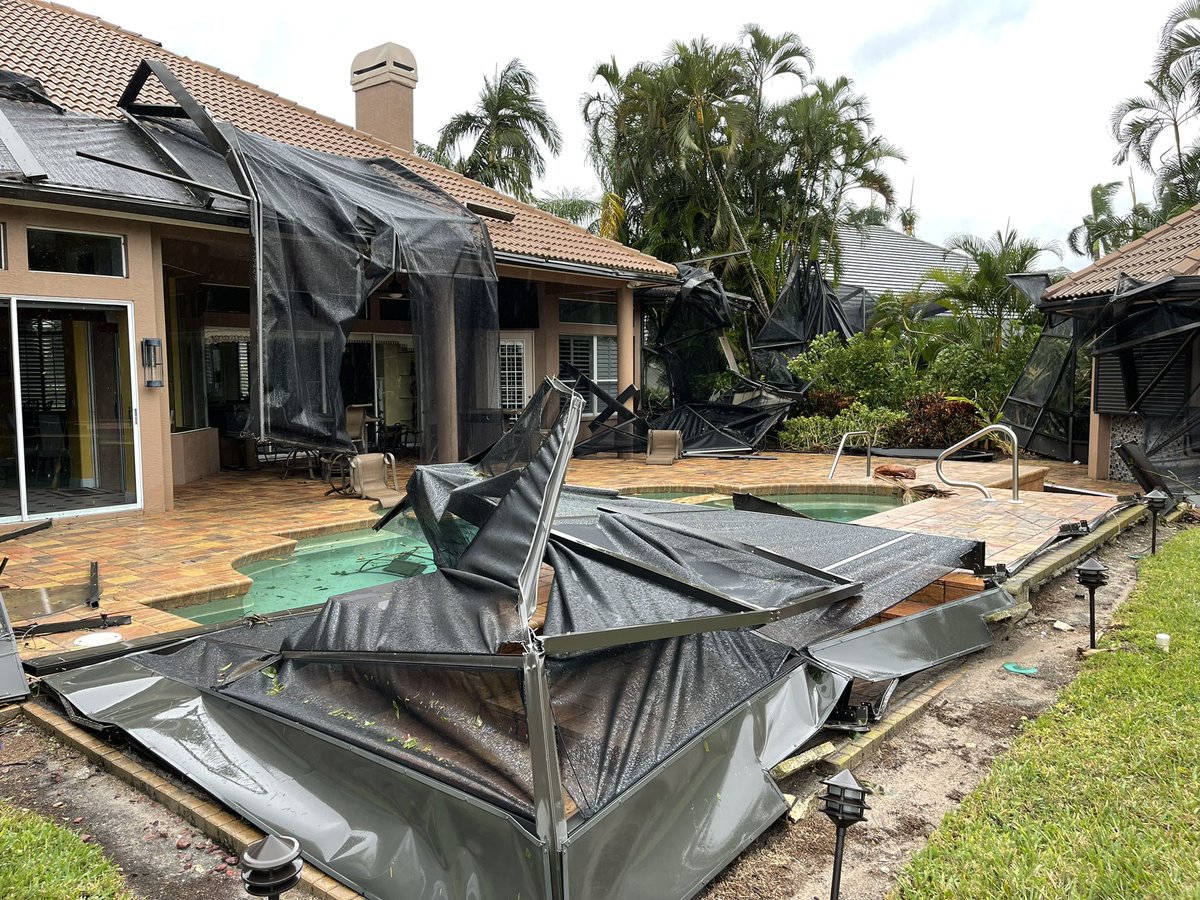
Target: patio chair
(369, 474)
(663, 447)
(356, 425)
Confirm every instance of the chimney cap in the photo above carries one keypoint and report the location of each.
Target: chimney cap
(387, 62)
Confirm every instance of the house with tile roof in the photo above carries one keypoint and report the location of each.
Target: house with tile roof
(1137, 310)
(136, 283)
(873, 260)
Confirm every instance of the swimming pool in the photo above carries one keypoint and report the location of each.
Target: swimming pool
(318, 569)
(828, 506)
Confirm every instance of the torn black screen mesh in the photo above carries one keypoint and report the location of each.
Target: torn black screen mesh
(620, 712)
(334, 230)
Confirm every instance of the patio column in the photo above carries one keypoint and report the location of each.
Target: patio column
(626, 340)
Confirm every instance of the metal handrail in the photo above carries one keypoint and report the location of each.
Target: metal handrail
(842, 446)
(1016, 464)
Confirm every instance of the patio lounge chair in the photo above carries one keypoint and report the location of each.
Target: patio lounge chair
(664, 447)
(369, 478)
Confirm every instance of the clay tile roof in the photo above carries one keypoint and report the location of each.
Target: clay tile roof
(1172, 248)
(85, 63)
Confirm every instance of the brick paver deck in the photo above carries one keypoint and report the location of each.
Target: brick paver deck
(150, 564)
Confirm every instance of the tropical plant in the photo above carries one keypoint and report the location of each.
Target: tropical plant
(817, 434)
(505, 130)
(870, 368)
(979, 299)
(603, 216)
(1101, 230)
(709, 163)
(1138, 123)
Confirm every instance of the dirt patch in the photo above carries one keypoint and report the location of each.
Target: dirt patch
(159, 854)
(925, 771)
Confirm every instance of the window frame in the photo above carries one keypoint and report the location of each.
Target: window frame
(29, 229)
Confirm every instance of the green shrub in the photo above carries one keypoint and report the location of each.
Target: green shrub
(821, 434)
(870, 367)
(986, 377)
(934, 420)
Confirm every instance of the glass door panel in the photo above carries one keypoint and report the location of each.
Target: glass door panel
(76, 405)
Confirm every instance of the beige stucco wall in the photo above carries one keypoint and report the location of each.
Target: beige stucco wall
(142, 286)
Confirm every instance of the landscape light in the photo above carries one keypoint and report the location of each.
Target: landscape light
(845, 802)
(1092, 574)
(271, 866)
(1156, 501)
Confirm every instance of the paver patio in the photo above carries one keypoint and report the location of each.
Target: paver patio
(152, 563)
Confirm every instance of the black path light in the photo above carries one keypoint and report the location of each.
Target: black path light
(846, 804)
(1156, 501)
(1092, 574)
(271, 866)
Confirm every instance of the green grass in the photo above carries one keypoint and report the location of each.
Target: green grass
(1100, 796)
(43, 861)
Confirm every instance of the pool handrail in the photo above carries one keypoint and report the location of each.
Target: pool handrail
(970, 439)
(842, 446)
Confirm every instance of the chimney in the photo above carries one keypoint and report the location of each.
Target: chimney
(383, 79)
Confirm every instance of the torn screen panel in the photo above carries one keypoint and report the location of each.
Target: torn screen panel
(913, 643)
(379, 827)
(620, 712)
(333, 231)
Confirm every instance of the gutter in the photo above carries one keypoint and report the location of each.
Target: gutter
(576, 268)
(144, 207)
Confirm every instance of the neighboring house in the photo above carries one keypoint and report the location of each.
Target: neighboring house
(1138, 311)
(874, 260)
(94, 270)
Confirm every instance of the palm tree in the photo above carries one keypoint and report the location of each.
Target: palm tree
(982, 295)
(1101, 231)
(604, 216)
(1138, 122)
(506, 125)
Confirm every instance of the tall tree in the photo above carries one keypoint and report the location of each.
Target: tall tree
(1101, 230)
(710, 163)
(981, 296)
(506, 129)
(1138, 123)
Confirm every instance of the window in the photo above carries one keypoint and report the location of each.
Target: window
(512, 374)
(76, 253)
(594, 356)
(586, 312)
(3, 257)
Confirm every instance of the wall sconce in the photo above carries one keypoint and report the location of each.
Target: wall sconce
(152, 361)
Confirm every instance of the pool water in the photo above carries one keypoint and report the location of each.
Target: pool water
(320, 568)
(830, 507)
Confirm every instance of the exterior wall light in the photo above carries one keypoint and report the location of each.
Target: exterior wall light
(1156, 501)
(1092, 575)
(271, 866)
(152, 362)
(845, 802)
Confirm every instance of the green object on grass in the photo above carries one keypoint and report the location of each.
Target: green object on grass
(1018, 669)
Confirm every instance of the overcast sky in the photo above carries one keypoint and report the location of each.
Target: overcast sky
(1001, 106)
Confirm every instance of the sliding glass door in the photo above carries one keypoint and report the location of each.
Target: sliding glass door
(67, 439)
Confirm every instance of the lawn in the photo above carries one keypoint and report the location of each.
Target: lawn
(42, 861)
(1100, 796)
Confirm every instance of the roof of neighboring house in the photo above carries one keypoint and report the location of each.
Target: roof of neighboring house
(84, 63)
(1172, 248)
(880, 259)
